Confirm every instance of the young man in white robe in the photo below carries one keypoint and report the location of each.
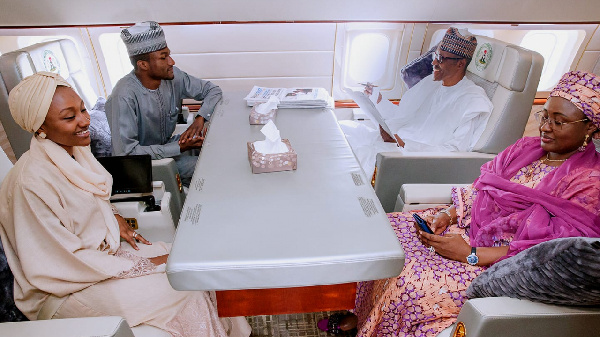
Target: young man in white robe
(445, 111)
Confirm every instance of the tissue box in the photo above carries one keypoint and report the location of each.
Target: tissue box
(262, 163)
(258, 118)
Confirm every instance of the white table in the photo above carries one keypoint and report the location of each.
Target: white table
(318, 225)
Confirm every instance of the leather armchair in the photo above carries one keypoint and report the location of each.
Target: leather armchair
(510, 79)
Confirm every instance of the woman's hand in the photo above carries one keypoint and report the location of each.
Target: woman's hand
(450, 246)
(159, 259)
(128, 234)
(441, 221)
(438, 223)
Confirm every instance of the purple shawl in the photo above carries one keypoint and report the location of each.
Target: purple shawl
(546, 212)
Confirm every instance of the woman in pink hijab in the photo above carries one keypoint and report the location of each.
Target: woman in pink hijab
(539, 189)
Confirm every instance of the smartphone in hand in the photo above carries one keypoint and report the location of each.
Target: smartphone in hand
(422, 224)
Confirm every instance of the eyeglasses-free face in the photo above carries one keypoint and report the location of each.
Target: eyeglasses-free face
(440, 58)
(543, 118)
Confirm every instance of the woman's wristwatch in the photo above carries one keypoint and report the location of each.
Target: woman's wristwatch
(472, 258)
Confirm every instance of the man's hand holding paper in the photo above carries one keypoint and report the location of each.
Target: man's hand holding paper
(389, 139)
(368, 106)
(372, 91)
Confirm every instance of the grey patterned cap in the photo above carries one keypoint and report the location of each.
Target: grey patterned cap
(143, 37)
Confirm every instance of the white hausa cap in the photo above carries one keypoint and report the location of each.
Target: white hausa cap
(144, 37)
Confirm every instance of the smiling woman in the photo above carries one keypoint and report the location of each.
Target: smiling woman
(539, 189)
(62, 237)
(67, 121)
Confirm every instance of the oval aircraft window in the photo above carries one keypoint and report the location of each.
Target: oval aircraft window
(368, 56)
(115, 55)
(558, 47)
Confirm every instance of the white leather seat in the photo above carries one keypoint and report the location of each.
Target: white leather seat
(58, 56)
(110, 326)
(107, 326)
(510, 78)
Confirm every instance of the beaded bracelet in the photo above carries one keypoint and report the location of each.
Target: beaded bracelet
(447, 212)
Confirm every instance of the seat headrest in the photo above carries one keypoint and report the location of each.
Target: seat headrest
(498, 61)
(48, 56)
(60, 57)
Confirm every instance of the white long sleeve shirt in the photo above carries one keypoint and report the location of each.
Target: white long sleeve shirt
(430, 118)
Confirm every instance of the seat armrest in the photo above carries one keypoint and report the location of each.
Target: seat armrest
(110, 326)
(504, 316)
(395, 169)
(427, 193)
(165, 170)
(420, 196)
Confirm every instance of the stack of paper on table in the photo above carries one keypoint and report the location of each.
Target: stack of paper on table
(291, 97)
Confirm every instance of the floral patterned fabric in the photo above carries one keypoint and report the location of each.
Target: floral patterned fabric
(428, 294)
(583, 90)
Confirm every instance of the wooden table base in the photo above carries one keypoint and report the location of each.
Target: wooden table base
(279, 301)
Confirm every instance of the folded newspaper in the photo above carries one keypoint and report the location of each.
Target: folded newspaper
(291, 97)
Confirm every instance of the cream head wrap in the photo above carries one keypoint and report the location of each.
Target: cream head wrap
(30, 100)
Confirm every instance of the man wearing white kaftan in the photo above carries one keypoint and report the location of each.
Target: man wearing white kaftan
(430, 117)
(443, 112)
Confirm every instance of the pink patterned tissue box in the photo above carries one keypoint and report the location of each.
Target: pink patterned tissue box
(261, 119)
(263, 163)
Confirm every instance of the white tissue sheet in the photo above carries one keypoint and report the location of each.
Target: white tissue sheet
(272, 144)
(265, 108)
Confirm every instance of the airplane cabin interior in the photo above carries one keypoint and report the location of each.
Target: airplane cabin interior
(283, 246)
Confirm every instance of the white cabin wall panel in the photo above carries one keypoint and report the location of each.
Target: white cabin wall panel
(588, 61)
(244, 65)
(190, 39)
(596, 69)
(595, 40)
(405, 49)
(245, 84)
(414, 44)
(238, 52)
(413, 54)
(88, 12)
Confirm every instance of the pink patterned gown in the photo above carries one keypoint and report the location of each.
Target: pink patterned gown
(427, 296)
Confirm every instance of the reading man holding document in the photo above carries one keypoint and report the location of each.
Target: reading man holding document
(144, 105)
(445, 111)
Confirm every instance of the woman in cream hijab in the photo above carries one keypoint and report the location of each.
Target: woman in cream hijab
(62, 236)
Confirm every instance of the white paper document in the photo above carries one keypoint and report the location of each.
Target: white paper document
(291, 97)
(370, 109)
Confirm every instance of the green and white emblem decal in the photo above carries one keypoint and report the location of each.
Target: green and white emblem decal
(484, 56)
(51, 62)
